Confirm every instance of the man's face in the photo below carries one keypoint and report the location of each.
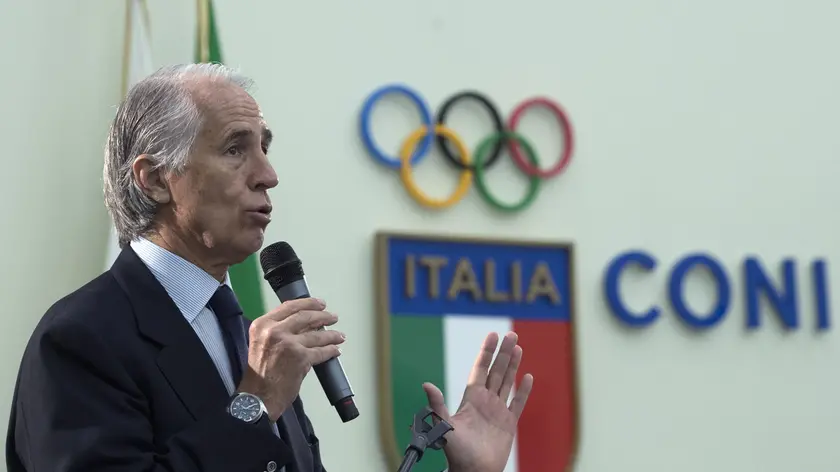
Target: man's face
(221, 198)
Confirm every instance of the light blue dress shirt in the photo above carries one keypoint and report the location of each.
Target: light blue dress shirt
(191, 288)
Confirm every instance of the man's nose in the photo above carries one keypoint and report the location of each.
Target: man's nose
(266, 178)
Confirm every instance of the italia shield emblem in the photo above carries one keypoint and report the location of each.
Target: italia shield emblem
(438, 297)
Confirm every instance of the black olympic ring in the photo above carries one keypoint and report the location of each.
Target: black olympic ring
(498, 123)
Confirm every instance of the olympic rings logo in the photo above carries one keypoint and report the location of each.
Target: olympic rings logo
(416, 146)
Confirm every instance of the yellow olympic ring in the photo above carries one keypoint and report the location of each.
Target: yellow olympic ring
(464, 181)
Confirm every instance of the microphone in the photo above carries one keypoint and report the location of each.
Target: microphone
(284, 272)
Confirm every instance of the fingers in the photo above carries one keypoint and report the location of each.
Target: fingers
(319, 355)
(308, 320)
(290, 307)
(521, 397)
(478, 375)
(500, 366)
(320, 338)
(436, 402)
(510, 374)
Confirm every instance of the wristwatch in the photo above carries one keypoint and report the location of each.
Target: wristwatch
(247, 407)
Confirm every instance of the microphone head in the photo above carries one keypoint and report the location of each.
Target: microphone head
(280, 265)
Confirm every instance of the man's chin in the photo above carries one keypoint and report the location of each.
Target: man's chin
(254, 243)
(244, 245)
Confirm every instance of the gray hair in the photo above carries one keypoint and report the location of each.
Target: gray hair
(158, 117)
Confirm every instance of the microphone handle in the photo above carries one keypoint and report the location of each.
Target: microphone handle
(330, 373)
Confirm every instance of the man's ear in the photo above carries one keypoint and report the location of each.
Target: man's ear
(150, 180)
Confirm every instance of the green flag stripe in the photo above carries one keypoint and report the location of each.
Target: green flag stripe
(416, 357)
(246, 281)
(215, 49)
(245, 277)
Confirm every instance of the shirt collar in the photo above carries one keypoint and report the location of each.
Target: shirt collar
(189, 286)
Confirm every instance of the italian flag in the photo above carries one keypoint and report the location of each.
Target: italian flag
(137, 64)
(442, 350)
(245, 277)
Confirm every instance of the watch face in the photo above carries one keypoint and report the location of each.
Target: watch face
(246, 408)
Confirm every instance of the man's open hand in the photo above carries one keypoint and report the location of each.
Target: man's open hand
(485, 425)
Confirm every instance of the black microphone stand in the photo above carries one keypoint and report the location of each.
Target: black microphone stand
(425, 435)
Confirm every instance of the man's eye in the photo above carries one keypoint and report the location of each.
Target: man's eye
(233, 151)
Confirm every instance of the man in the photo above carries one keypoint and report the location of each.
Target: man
(149, 367)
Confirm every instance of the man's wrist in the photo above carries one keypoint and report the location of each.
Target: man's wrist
(254, 388)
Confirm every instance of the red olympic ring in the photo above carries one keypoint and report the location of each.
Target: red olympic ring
(566, 126)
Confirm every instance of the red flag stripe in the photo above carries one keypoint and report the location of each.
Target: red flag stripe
(547, 433)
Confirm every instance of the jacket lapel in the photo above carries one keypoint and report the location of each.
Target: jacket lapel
(182, 359)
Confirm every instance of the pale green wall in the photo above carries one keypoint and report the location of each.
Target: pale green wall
(700, 126)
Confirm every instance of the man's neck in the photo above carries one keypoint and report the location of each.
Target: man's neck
(186, 249)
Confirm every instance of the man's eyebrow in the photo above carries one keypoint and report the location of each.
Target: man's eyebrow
(238, 134)
(267, 136)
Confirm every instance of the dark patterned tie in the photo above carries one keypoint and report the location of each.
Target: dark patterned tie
(226, 307)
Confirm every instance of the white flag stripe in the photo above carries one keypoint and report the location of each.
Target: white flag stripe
(138, 65)
(462, 335)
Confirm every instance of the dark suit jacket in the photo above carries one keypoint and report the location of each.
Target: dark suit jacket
(115, 379)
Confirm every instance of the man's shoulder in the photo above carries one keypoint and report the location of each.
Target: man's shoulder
(99, 302)
(94, 317)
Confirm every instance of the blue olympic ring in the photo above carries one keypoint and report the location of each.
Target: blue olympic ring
(367, 136)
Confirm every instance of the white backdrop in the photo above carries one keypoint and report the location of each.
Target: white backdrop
(699, 126)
